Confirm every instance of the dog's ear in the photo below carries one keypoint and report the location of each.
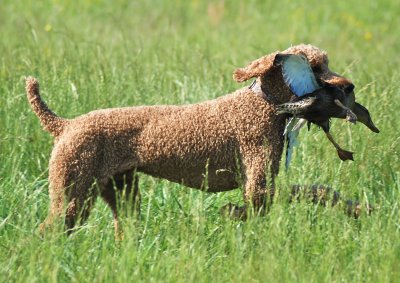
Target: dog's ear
(255, 68)
(263, 65)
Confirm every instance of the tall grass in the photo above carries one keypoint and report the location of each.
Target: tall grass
(97, 54)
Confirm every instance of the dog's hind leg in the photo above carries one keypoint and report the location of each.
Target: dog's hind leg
(56, 207)
(73, 175)
(66, 187)
(79, 196)
(122, 193)
(80, 199)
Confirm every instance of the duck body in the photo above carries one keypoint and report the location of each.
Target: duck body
(313, 101)
(316, 101)
(317, 107)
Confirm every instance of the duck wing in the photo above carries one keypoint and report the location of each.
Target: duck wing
(297, 73)
(300, 78)
(298, 107)
(291, 139)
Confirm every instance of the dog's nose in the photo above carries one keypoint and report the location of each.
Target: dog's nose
(349, 88)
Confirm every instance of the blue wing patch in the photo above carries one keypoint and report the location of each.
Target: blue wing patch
(298, 75)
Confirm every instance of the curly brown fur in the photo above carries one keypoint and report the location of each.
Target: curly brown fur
(235, 138)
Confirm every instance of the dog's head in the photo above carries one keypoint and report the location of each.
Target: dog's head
(269, 73)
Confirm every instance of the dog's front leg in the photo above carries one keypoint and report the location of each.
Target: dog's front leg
(254, 168)
(255, 191)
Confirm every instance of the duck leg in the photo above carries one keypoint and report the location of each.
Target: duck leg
(343, 154)
(350, 116)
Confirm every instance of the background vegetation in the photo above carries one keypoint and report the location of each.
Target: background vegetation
(94, 54)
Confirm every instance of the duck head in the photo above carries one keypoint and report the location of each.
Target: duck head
(364, 117)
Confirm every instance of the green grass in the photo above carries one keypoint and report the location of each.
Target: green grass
(97, 54)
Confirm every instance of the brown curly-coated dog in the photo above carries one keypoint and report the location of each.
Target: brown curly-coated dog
(233, 139)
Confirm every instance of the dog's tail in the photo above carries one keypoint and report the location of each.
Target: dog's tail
(49, 120)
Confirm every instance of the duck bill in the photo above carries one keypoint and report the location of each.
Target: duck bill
(372, 127)
(364, 117)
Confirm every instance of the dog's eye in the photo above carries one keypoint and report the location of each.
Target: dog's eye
(349, 88)
(317, 69)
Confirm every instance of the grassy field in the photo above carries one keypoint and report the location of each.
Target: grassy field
(96, 54)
